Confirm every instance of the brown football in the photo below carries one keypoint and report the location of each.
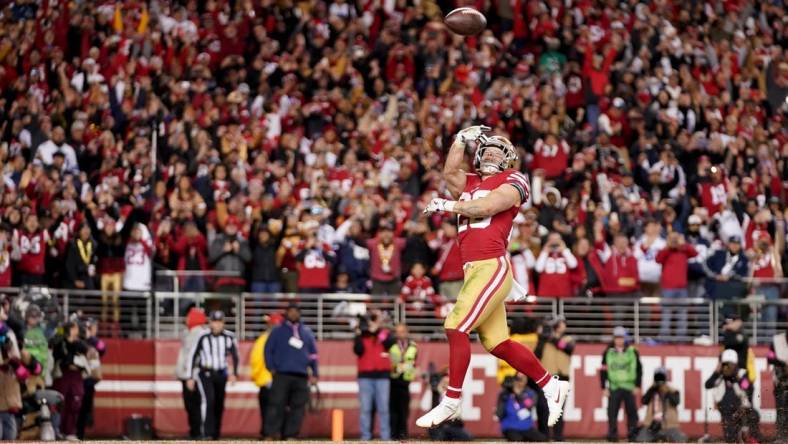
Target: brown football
(466, 21)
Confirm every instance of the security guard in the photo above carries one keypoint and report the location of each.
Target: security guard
(403, 370)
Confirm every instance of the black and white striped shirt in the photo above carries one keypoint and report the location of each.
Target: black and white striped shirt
(210, 352)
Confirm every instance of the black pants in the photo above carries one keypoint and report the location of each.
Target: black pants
(262, 398)
(399, 408)
(734, 420)
(286, 404)
(523, 435)
(211, 385)
(558, 430)
(781, 404)
(614, 404)
(192, 401)
(85, 418)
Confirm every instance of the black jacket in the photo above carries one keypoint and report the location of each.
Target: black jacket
(264, 267)
(76, 267)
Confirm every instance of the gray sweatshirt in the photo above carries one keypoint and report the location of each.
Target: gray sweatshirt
(188, 342)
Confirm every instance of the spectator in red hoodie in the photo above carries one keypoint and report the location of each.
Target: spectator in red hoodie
(620, 268)
(315, 261)
(674, 259)
(192, 249)
(553, 265)
(417, 293)
(31, 243)
(552, 155)
(448, 267)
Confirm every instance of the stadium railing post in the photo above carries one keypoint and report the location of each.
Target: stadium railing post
(636, 312)
(320, 316)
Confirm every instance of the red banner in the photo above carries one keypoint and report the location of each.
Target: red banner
(139, 379)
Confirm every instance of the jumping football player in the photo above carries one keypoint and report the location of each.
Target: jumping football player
(487, 203)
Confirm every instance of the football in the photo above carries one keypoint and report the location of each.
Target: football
(465, 21)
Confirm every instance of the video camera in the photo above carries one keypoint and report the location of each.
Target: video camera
(365, 319)
(660, 376)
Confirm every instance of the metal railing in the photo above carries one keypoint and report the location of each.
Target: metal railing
(160, 314)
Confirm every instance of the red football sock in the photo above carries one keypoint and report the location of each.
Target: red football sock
(522, 359)
(459, 359)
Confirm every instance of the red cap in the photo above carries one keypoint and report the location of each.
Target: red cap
(276, 318)
(195, 318)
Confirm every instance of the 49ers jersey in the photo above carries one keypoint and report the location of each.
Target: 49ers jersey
(488, 237)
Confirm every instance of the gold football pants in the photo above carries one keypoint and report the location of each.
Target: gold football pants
(480, 303)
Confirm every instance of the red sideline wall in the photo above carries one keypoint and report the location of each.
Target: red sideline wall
(138, 380)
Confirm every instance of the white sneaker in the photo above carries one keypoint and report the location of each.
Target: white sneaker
(72, 438)
(555, 391)
(447, 410)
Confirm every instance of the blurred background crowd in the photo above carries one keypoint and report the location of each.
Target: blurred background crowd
(292, 145)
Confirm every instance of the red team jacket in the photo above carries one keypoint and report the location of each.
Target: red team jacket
(33, 249)
(674, 266)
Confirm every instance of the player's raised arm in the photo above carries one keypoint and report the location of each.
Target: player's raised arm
(453, 172)
(500, 199)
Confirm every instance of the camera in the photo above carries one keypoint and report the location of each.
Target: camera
(508, 383)
(365, 319)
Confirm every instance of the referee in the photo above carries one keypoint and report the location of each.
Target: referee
(208, 368)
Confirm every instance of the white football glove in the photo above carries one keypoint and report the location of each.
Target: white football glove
(517, 294)
(439, 205)
(472, 133)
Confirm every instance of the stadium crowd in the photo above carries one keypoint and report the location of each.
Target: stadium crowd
(293, 145)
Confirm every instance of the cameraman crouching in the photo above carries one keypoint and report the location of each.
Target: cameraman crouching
(662, 417)
(371, 345)
(515, 409)
(732, 391)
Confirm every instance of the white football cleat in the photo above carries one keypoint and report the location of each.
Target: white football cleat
(447, 410)
(555, 392)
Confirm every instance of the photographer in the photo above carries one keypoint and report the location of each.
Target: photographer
(555, 351)
(371, 345)
(452, 430)
(515, 410)
(96, 350)
(732, 391)
(553, 266)
(778, 359)
(69, 352)
(10, 395)
(662, 417)
(734, 338)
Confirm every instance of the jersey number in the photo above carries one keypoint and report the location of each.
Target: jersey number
(464, 223)
(555, 266)
(30, 245)
(718, 194)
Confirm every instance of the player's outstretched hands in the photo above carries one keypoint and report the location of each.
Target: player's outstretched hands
(472, 133)
(436, 205)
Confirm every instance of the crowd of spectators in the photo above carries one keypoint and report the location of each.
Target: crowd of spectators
(292, 145)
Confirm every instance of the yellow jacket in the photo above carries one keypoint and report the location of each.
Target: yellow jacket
(260, 374)
(504, 369)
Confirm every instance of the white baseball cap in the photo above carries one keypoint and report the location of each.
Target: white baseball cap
(729, 356)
